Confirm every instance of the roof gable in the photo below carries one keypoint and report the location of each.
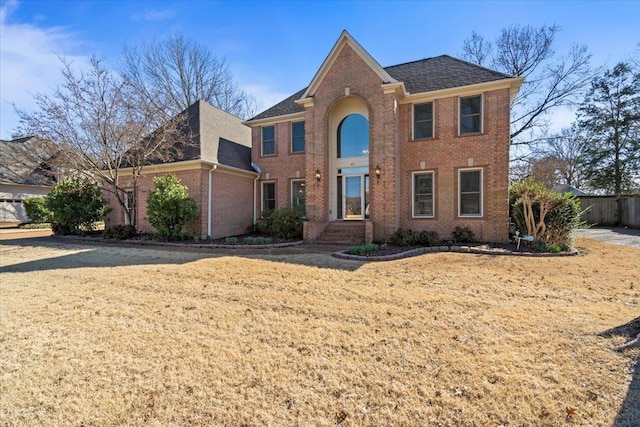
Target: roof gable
(440, 73)
(344, 40)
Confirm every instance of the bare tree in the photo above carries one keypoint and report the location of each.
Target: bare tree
(476, 49)
(549, 83)
(566, 150)
(177, 72)
(102, 125)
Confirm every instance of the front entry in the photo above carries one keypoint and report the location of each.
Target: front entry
(353, 197)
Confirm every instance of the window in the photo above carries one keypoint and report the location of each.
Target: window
(353, 136)
(268, 196)
(470, 192)
(297, 137)
(298, 195)
(471, 115)
(423, 121)
(268, 141)
(129, 205)
(423, 194)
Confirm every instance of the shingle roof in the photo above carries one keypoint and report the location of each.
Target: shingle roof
(425, 75)
(441, 72)
(234, 155)
(215, 136)
(26, 161)
(288, 106)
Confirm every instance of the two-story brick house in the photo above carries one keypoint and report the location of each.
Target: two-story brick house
(420, 145)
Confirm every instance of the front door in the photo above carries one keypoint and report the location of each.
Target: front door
(355, 197)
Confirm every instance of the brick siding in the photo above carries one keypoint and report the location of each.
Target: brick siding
(392, 148)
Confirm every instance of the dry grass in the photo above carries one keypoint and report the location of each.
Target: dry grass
(108, 336)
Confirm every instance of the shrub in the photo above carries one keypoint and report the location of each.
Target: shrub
(248, 240)
(406, 237)
(76, 205)
(362, 249)
(37, 211)
(427, 238)
(463, 234)
(120, 232)
(263, 240)
(286, 223)
(562, 220)
(231, 240)
(263, 225)
(169, 208)
(548, 216)
(403, 237)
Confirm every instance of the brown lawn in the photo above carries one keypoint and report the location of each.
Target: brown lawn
(105, 336)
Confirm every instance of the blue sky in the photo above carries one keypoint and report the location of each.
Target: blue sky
(275, 48)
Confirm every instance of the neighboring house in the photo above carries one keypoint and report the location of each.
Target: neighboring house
(216, 169)
(422, 145)
(26, 170)
(566, 188)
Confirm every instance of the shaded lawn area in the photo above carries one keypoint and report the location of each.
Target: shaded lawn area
(116, 336)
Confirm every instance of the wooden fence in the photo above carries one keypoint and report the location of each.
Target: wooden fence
(611, 210)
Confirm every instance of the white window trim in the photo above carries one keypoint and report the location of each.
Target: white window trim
(481, 95)
(275, 194)
(305, 142)
(481, 193)
(275, 148)
(413, 121)
(433, 193)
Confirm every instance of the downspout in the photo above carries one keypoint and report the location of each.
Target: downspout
(210, 199)
(255, 192)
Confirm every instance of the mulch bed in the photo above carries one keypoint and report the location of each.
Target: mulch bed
(388, 252)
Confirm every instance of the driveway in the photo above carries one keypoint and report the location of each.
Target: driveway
(615, 235)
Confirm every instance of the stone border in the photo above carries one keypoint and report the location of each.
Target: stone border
(177, 244)
(461, 249)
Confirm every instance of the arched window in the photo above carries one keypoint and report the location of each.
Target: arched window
(353, 136)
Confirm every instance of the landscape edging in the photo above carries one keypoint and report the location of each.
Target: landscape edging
(462, 249)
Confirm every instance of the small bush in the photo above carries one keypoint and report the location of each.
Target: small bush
(403, 237)
(463, 234)
(248, 240)
(555, 249)
(169, 208)
(263, 240)
(263, 225)
(286, 223)
(362, 249)
(76, 205)
(231, 240)
(427, 238)
(120, 232)
(37, 211)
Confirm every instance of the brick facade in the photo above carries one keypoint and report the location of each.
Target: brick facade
(350, 79)
(351, 82)
(231, 200)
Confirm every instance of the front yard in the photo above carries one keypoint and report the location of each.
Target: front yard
(113, 336)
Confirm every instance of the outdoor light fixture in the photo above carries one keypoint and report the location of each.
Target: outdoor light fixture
(378, 171)
(317, 175)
